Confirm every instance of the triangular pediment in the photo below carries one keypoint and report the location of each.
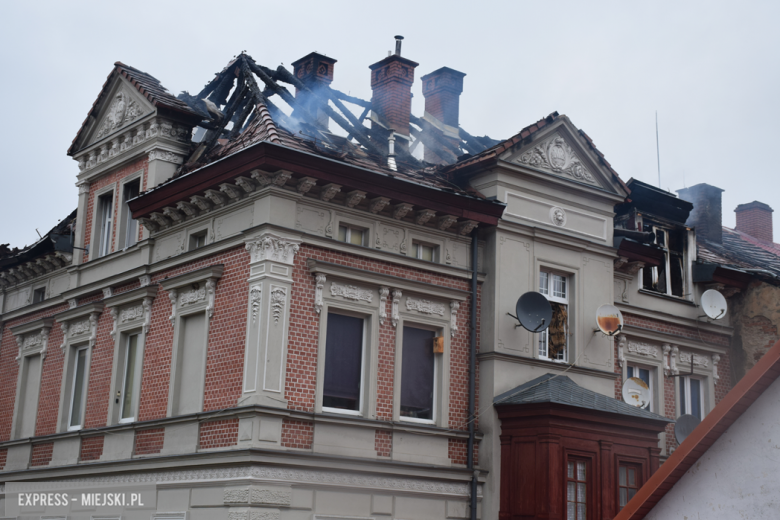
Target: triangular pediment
(120, 108)
(561, 151)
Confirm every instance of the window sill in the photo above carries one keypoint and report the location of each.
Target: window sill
(340, 411)
(412, 420)
(678, 299)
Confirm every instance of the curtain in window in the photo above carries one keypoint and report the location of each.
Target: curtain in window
(417, 374)
(343, 359)
(557, 329)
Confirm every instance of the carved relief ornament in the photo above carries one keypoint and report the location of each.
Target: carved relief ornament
(643, 349)
(273, 247)
(351, 292)
(556, 155)
(424, 306)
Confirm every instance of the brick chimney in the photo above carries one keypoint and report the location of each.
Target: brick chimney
(707, 213)
(442, 89)
(391, 83)
(755, 219)
(315, 71)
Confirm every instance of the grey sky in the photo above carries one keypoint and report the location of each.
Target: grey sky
(709, 68)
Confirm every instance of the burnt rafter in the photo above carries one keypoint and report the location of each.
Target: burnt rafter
(230, 102)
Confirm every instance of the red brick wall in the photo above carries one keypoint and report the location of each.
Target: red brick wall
(91, 448)
(677, 330)
(227, 331)
(304, 333)
(41, 454)
(383, 443)
(3, 457)
(149, 442)
(51, 375)
(116, 176)
(218, 434)
(297, 434)
(458, 451)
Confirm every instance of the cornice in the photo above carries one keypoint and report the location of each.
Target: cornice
(79, 312)
(32, 326)
(149, 291)
(212, 272)
(551, 365)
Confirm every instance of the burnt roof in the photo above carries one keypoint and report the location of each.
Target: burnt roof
(741, 251)
(46, 244)
(652, 200)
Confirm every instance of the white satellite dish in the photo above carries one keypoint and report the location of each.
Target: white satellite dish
(636, 392)
(714, 304)
(609, 319)
(684, 425)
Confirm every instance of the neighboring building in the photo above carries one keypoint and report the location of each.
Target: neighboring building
(272, 313)
(727, 467)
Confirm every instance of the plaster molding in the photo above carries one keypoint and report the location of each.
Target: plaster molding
(454, 306)
(329, 191)
(467, 226)
(715, 360)
(278, 301)
(400, 210)
(172, 295)
(351, 292)
(114, 311)
(642, 349)
(396, 301)
(444, 222)
(246, 184)
(158, 154)
(272, 247)
(319, 286)
(32, 338)
(424, 306)
(622, 340)
(354, 198)
(698, 359)
(384, 292)
(255, 300)
(673, 360)
(558, 216)
(305, 184)
(555, 155)
(377, 204)
(423, 216)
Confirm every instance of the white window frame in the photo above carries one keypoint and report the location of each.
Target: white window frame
(125, 326)
(652, 370)
(35, 290)
(417, 246)
(76, 349)
(96, 246)
(684, 399)
(548, 293)
(139, 350)
(363, 355)
(106, 224)
(126, 214)
(348, 235)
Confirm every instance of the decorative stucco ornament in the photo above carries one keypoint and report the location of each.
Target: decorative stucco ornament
(556, 156)
(558, 216)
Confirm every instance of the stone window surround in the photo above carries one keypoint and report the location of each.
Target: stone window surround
(94, 240)
(441, 382)
(79, 327)
(207, 279)
(123, 326)
(574, 305)
(438, 244)
(386, 287)
(194, 230)
(41, 327)
(638, 352)
(368, 227)
(121, 229)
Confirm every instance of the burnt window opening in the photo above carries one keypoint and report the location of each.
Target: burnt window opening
(668, 277)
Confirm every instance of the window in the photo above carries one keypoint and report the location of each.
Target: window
(553, 342)
(352, 235)
(644, 375)
(669, 277)
(691, 397)
(190, 365)
(39, 295)
(628, 483)
(577, 489)
(418, 375)
(27, 404)
(106, 217)
(131, 190)
(197, 240)
(425, 251)
(344, 352)
(78, 391)
(127, 397)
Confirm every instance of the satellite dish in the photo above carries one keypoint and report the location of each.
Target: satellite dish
(714, 304)
(636, 392)
(609, 319)
(534, 311)
(684, 426)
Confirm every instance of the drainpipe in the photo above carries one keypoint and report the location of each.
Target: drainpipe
(472, 371)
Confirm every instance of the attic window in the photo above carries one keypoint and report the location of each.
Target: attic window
(39, 295)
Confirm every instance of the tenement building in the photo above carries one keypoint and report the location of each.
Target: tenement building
(270, 307)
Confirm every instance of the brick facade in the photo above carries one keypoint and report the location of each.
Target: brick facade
(755, 219)
(218, 434)
(91, 448)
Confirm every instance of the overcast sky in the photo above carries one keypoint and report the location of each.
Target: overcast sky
(710, 69)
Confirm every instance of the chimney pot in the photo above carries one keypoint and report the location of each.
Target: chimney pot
(755, 219)
(707, 213)
(398, 40)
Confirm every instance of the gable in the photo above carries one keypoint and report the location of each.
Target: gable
(120, 109)
(563, 151)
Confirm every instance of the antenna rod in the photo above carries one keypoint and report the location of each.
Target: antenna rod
(657, 149)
